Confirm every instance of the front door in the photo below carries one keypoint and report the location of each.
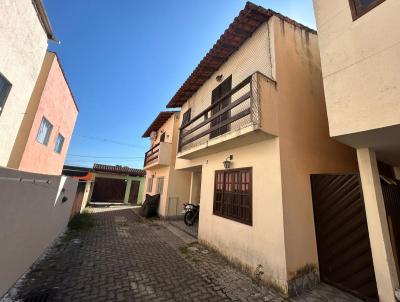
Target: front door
(217, 94)
(133, 195)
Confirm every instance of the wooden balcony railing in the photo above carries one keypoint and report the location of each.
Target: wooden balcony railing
(152, 155)
(229, 113)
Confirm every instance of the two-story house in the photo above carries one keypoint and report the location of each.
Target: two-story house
(254, 130)
(25, 30)
(46, 129)
(159, 163)
(360, 52)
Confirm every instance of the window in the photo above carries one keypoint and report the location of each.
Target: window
(216, 96)
(186, 117)
(44, 132)
(59, 143)
(162, 137)
(5, 87)
(160, 185)
(361, 7)
(233, 195)
(150, 184)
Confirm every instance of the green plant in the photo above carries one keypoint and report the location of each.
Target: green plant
(184, 250)
(81, 221)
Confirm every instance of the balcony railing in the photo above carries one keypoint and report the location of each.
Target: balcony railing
(151, 156)
(158, 155)
(235, 110)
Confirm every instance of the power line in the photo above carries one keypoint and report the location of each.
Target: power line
(106, 140)
(116, 157)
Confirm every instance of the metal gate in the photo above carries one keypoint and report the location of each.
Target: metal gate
(344, 250)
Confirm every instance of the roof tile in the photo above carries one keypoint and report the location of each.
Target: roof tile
(242, 27)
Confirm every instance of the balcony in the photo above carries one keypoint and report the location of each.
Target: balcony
(246, 114)
(159, 155)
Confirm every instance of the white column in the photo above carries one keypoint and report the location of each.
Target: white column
(382, 255)
(191, 187)
(86, 194)
(195, 185)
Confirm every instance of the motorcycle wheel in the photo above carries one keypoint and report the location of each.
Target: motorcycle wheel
(189, 218)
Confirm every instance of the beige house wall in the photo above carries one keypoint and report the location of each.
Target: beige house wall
(378, 229)
(282, 238)
(195, 188)
(263, 242)
(305, 145)
(177, 191)
(254, 55)
(360, 63)
(23, 44)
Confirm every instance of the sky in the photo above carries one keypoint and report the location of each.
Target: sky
(125, 59)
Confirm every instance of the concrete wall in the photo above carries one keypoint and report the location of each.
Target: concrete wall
(305, 145)
(360, 63)
(31, 217)
(23, 45)
(53, 100)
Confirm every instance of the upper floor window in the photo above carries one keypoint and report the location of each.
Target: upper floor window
(44, 132)
(59, 143)
(186, 116)
(361, 7)
(162, 137)
(5, 87)
(233, 195)
(217, 97)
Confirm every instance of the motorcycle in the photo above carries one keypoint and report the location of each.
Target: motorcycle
(191, 212)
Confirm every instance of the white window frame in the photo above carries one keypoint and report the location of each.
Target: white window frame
(43, 135)
(58, 146)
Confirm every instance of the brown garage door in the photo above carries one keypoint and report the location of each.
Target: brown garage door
(344, 250)
(109, 190)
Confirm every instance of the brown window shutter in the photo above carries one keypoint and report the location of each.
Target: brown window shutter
(233, 195)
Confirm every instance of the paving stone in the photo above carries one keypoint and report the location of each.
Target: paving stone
(123, 258)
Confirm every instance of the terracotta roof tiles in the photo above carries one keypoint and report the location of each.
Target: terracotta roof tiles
(161, 118)
(242, 27)
(119, 170)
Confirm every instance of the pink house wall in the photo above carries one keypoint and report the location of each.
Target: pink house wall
(58, 107)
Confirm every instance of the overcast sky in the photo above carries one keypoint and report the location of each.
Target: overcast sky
(125, 59)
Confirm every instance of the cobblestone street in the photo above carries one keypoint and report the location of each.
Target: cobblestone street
(123, 258)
